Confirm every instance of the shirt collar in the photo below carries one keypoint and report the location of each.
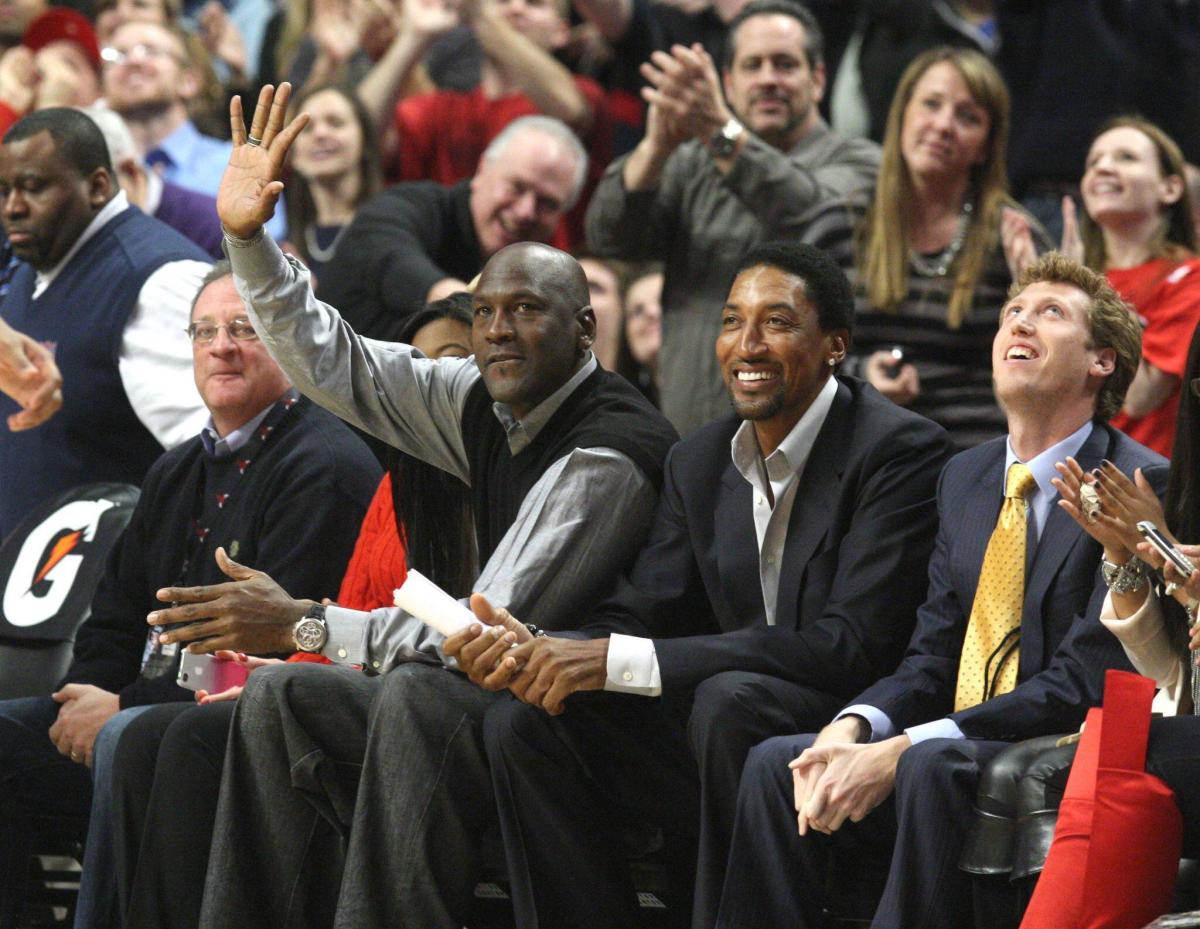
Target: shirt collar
(117, 205)
(1041, 466)
(181, 143)
(521, 432)
(221, 447)
(793, 452)
(810, 138)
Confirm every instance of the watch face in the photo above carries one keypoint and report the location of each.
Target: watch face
(310, 635)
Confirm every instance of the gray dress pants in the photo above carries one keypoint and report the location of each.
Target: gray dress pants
(351, 801)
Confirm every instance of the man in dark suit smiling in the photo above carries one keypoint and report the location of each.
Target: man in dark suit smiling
(765, 596)
(1008, 644)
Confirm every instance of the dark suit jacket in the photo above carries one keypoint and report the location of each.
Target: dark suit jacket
(1064, 648)
(857, 548)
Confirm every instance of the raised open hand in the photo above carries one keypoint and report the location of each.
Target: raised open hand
(427, 19)
(251, 184)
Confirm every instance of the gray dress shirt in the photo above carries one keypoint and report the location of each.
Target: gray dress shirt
(575, 527)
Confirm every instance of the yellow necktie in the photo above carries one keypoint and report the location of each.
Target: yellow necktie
(988, 666)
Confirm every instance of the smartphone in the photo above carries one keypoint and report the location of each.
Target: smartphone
(209, 673)
(1151, 534)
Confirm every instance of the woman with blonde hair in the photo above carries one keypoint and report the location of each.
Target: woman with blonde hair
(924, 254)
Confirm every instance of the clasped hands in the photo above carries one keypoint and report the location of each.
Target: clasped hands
(543, 671)
(838, 779)
(685, 96)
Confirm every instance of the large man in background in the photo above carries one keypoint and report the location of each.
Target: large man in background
(110, 289)
(716, 175)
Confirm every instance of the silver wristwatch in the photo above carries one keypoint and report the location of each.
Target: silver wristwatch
(311, 633)
(1122, 578)
(724, 141)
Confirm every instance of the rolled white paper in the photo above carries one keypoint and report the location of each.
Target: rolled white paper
(423, 598)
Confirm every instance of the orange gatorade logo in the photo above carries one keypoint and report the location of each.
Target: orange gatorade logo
(58, 551)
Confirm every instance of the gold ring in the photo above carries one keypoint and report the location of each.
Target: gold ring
(75, 756)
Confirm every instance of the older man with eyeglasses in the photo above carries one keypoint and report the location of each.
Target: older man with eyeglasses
(277, 482)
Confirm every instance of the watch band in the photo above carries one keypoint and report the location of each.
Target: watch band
(311, 632)
(724, 141)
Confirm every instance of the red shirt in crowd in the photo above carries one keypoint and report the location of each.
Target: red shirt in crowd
(1166, 295)
(443, 133)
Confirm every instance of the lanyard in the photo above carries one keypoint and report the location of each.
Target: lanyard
(209, 515)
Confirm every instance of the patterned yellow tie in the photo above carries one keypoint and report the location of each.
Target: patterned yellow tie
(988, 666)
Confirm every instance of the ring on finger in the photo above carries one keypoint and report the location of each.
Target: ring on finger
(76, 757)
(1089, 502)
(251, 140)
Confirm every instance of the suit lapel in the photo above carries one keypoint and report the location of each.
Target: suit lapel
(737, 552)
(1059, 537)
(815, 504)
(979, 512)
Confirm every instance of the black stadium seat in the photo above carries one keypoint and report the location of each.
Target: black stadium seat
(49, 568)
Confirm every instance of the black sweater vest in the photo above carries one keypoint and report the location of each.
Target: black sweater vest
(605, 411)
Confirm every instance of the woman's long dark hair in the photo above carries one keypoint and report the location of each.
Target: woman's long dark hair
(1183, 484)
(433, 507)
(301, 210)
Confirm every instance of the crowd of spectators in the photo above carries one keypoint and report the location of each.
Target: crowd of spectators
(517, 249)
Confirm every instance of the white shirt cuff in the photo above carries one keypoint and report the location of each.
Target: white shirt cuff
(938, 729)
(346, 628)
(881, 726)
(632, 666)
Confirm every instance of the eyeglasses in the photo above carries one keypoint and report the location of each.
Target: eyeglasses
(241, 329)
(117, 56)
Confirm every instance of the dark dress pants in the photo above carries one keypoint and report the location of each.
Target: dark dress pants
(166, 778)
(731, 713)
(1173, 754)
(629, 754)
(567, 790)
(35, 780)
(777, 878)
(351, 801)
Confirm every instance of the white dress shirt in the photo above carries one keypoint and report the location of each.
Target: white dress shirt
(1038, 505)
(155, 362)
(632, 662)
